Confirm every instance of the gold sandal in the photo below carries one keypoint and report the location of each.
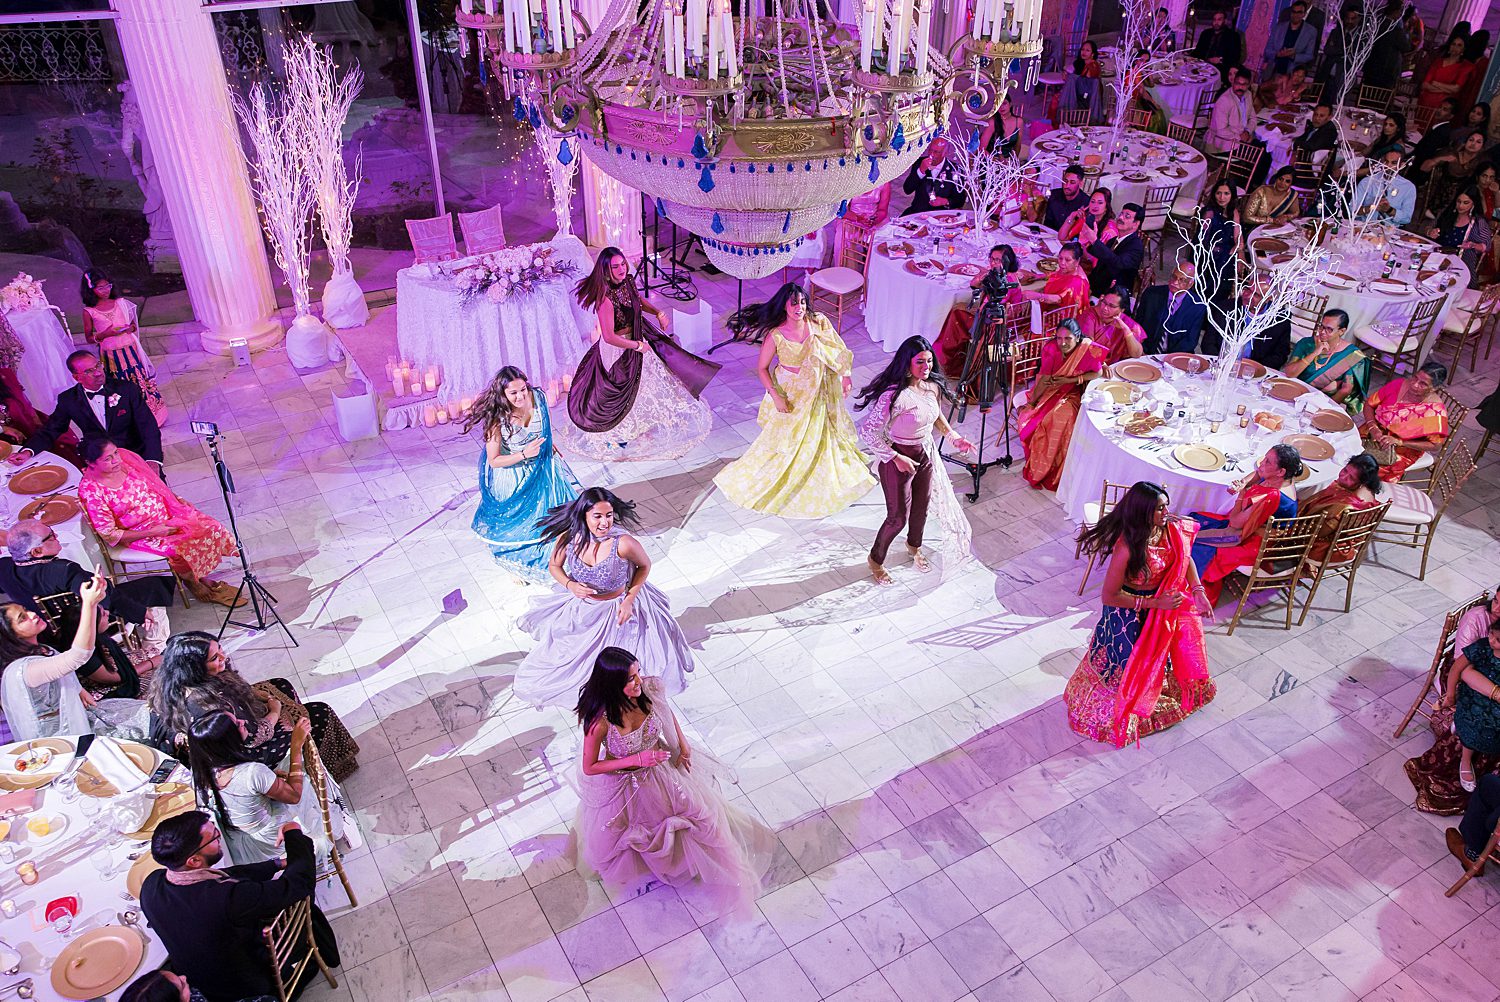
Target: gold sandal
(919, 559)
(882, 577)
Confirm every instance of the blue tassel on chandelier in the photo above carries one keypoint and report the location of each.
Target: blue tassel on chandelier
(717, 225)
(564, 154)
(899, 139)
(705, 180)
(536, 118)
(519, 109)
(700, 148)
(483, 71)
(567, 113)
(874, 170)
(974, 141)
(843, 208)
(786, 224)
(661, 210)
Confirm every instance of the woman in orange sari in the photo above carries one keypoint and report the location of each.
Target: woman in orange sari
(1067, 286)
(1405, 418)
(1355, 489)
(1069, 361)
(1146, 667)
(1232, 539)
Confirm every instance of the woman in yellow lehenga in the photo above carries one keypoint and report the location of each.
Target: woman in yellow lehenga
(806, 461)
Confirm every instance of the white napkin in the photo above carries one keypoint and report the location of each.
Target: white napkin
(110, 761)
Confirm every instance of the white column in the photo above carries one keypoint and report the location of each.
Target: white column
(1473, 11)
(175, 68)
(611, 213)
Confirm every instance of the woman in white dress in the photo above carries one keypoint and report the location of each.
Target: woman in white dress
(606, 602)
(110, 323)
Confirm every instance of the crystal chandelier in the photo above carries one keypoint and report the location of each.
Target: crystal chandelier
(749, 129)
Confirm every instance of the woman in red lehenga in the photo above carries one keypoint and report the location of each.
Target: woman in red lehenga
(1146, 667)
(128, 505)
(1405, 418)
(1069, 361)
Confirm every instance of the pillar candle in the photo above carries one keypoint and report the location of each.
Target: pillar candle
(431, 380)
(442, 415)
(398, 382)
(668, 60)
(465, 405)
(922, 31)
(429, 416)
(680, 28)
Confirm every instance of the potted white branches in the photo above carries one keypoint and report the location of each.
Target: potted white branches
(991, 180)
(1140, 53)
(318, 102)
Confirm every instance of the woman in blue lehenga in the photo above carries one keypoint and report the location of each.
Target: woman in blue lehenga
(521, 476)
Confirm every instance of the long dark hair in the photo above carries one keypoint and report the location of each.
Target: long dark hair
(91, 278)
(604, 692)
(1133, 520)
(1211, 201)
(898, 371)
(1368, 468)
(215, 742)
(1109, 205)
(13, 646)
(492, 409)
(593, 288)
(182, 685)
(760, 319)
(152, 986)
(570, 521)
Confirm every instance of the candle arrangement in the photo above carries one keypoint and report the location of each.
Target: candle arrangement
(410, 380)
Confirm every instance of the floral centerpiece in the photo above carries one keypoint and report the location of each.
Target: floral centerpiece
(23, 293)
(508, 273)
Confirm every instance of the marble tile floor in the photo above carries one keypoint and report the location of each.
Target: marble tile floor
(944, 834)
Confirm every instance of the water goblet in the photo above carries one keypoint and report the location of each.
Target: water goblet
(62, 924)
(91, 806)
(104, 862)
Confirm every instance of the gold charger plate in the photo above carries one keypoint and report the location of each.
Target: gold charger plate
(39, 480)
(1309, 447)
(1116, 391)
(1270, 245)
(1282, 388)
(905, 249)
(1136, 371)
(1203, 458)
(1249, 368)
(62, 756)
(91, 784)
(54, 510)
(1332, 421)
(139, 871)
(1187, 361)
(98, 962)
(168, 805)
(925, 267)
(1047, 266)
(6, 448)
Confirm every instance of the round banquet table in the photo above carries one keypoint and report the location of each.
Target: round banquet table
(43, 368)
(1353, 283)
(1178, 88)
(900, 302)
(71, 534)
(544, 333)
(1101, 451)
(1279, 129)
(1146, 161)
(65, 865)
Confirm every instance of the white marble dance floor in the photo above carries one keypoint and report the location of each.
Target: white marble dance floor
(946, 836)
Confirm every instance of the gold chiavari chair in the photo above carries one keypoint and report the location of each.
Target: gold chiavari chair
(1109, 496)
(1390, 354)
(1426, 702)
(1420, 473)
(1414, 514)
(1346, 552)
(289, 941)
(318, 777)
(1284, 545)
(1463, 328)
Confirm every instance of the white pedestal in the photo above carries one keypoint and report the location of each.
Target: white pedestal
(694, 331)
(355, 413)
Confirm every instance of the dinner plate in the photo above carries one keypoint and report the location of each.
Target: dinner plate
(1203, 458)
(98, 962)
(1187, 362)
(966, 268)
(91, 784)
(53, 510)
(947, 218)
(1310, 447)
(10, 779)
(926, 267)
(1047, 266)
(1282, 388)
(1135, 370)
(139, 871)
(59, 828)
(896, 249)
(1172, 171)
(1249, 368)
(1331, 420)
(1117, 391)
(1270, 245)
(914, 230)
(176, 800)
(1391, 285)
(42, 479)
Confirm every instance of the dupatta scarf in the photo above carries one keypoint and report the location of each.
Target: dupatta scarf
(1087, 353)
(1169, 636)
(1409, 421)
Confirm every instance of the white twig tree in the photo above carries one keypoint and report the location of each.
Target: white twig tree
(560, 175)
(991, 180)
(1140, 53)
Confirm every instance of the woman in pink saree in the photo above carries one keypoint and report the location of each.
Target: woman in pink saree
(1405, 418)
(128, 505)
(1146, 667)
(1069, 361)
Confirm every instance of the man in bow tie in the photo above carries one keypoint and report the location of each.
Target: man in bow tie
(98, 406)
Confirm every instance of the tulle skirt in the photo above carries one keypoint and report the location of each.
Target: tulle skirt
(570, 632)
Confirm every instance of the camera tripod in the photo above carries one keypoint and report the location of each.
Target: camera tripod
(988, 367)
(262, 602)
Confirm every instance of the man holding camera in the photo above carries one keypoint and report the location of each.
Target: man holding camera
(990, 287)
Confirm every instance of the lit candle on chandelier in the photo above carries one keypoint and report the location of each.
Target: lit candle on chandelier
(899, 31)
(868, 35)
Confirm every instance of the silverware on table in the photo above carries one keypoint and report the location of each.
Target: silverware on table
(23, 989)
(23, 469)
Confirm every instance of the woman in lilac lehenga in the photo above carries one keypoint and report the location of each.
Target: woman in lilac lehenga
(649, 809)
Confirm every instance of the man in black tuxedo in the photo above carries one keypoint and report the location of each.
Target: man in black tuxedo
(933, 181)
(100, 407)
(1171, 315)
(1118, 259)
(1221, 45)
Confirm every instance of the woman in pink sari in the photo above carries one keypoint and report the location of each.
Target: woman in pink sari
(128, 505)
(1405, 418)
(1146, 667)
(1069, 361)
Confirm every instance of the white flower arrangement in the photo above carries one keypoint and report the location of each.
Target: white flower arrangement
(23, 293)
(504, 274)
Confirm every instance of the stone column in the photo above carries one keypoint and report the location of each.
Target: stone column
(176, 72)
(1473, 11)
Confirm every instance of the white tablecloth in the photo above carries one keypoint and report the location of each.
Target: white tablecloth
(543, 333)
(66, 871)
(1178, 88)
(899, 303)
(1367, 306)
(1099, 451)
(1279, 129)
(1147, 161)
(43, 369)
(70, 534)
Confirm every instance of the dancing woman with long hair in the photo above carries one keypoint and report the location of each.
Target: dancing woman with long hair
(606, 600)
(806, 461)
(649, 809)
(907, 397)
(521, 476)
(635, 394)
(1146, 667)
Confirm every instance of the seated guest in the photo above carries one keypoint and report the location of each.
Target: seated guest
(1221, 45)
(1283, 91)
(1081, 90)
(1117, 258)
(1172, 315)
(1473, 691)
(1385, 195)
(161, 985)
(1098, 214)
(1046, 420)
(210, 920)
(98, 406)
(1107, 325)
(1477, 120)
(1163, 39)
(1273, 202)
(1481, 816)
(1464, 229)
(249, 800)
(1273, 345)
(1392, 136)
(1405, 418)
(1066, 286)
(1232, 539)
(1292, 42)
(196, 679)
(1331, 362)
(1065, 201)
(933, 181)
(1233, 120)
(1219, 215)
(128, 505)
(1321, 134)
(1475, 623)
(1356, 488)
(1453, 171)
(953, 341)
(1437, 138)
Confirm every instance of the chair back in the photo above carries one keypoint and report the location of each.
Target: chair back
(1287, 540)
(1374, 98)
(1351, 536)
(1423, 118)
(1144, 280)
(1204, 113)
(432, 239)
(1076, 117)
(1243, 163)
(318, 777)
(1312, 92)
(484, 231)
(1449, 477)
(1110, 495)
(856, 237)
(1138, 118)
(1191, 135)
(1306, 311)
(1090, 182)
(1018, 321)
(289, 941)
(1158, 206)
(1026, 359)
(62, 612)
(1442, 659)
(1051, 318)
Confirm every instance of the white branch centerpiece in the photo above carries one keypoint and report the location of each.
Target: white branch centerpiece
(1140, 53)
(991, 180)
(317, 106)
